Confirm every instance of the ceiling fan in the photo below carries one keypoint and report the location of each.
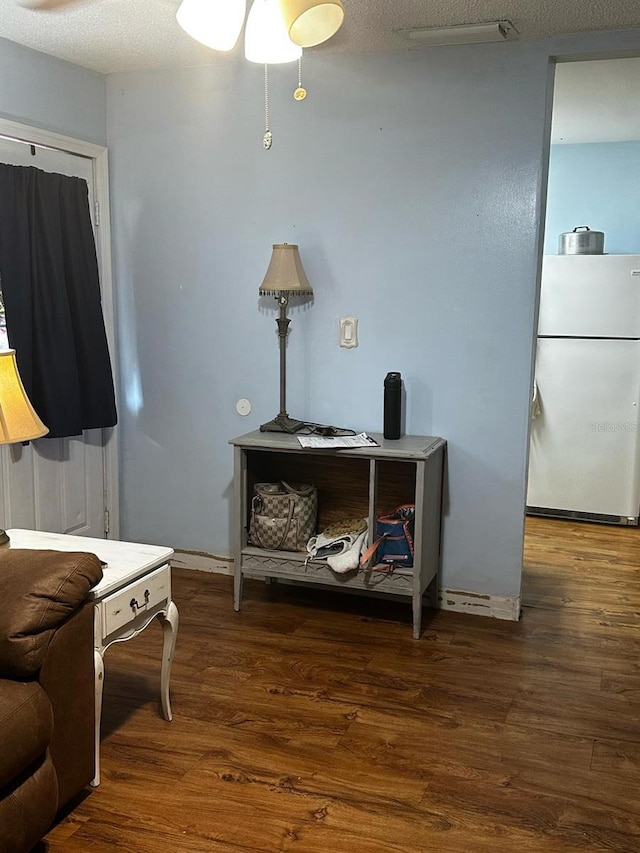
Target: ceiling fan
(309, 21)
(217, 23)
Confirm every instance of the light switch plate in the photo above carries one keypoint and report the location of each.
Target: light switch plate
(348, 332)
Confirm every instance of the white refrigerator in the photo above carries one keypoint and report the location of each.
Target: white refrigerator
(585, 436)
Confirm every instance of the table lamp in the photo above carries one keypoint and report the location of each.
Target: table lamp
(18, 420)
(285, 276)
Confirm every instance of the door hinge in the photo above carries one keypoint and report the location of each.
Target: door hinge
(106, 520)
(97, 208)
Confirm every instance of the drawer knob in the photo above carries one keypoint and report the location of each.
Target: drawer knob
(133, 604)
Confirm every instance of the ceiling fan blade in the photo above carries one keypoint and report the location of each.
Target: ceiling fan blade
(50, 5)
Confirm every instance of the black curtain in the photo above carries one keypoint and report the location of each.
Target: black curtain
(51, 291)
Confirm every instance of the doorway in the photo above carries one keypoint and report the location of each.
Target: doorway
(64, 485)
(594, 181)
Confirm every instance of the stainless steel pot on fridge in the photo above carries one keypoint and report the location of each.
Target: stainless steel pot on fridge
(581, 241)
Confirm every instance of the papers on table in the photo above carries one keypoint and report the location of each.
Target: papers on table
(337, 441)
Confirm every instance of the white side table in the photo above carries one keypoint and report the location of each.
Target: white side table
(135, 589)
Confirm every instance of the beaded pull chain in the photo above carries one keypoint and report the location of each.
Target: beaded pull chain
(300, 93)
(267, 139)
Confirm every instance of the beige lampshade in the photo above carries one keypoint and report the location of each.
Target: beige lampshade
(285, 273)
(310, 22)
(18, 420)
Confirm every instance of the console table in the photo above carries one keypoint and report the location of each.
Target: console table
(356, 482)
(134, 590)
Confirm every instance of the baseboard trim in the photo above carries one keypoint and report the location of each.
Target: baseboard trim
(201, 561)
(494, 606)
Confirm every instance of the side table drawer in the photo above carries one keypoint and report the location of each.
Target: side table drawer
(147, 592)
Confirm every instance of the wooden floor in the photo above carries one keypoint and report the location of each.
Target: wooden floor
(313, 722)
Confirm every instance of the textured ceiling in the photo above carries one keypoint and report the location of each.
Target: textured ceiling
(124, 35)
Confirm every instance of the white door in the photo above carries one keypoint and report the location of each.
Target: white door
(54, 484)
(585, 443)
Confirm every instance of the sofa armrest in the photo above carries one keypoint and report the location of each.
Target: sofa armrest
(67, 676)
(39, 590)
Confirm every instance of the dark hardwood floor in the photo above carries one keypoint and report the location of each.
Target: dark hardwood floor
(313, 722)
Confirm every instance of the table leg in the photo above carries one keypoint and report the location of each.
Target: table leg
(98, 663)
(170, 620)
(417, 615)
(237, 587)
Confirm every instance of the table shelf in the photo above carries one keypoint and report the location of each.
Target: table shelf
(356, 482)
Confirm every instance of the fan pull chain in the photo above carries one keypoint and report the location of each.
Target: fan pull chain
(300, 93)
(267, 139)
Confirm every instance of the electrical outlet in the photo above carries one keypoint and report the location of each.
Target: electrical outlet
(348, 332)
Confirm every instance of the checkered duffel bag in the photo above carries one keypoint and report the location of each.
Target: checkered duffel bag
(283, 516)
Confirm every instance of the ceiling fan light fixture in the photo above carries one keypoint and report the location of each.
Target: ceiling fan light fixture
(214, 23)
(311, 22)
(265, 36)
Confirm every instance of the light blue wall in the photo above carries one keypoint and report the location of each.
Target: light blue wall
(413, 184)
(596, 185)
(39, 90)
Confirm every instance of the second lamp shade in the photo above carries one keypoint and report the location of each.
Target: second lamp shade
(18, 419)
(310, 22)
(285, 273)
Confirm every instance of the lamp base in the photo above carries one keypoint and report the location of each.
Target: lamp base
(282, 423)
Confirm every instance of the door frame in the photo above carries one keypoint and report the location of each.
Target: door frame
(98, 154)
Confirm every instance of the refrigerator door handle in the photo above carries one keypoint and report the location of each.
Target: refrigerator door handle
(535, 401)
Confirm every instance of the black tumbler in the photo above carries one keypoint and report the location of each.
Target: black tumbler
(392, 406)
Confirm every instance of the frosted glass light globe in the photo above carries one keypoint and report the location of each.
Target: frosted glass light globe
(265, 38)
(214, 23)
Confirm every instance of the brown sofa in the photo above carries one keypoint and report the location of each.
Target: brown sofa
(46, 688)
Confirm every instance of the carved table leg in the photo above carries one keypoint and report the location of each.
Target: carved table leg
(170, 620)
(98, 663)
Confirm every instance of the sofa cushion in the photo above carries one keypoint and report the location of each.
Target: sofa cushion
(26, 726)
(38, 591)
